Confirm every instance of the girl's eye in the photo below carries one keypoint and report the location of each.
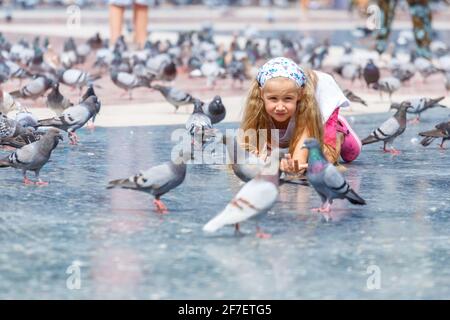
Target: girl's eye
(273, 99)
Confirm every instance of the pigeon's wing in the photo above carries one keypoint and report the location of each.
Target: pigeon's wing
(178, 95)
(24, 155)
(76, 115)
(126, 79)
(198, 120)
(388, 128)
(257, 196)
(157, 177)
(334, 180)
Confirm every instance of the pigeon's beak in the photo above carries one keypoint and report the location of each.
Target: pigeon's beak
(60, 137)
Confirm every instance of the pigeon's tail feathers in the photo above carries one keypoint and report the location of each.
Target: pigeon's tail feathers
(121, 183)
(4, 163)
(15, 94)
(214, 224)
(354, 198)
(370, 139)
(427, 141)
(51, 122)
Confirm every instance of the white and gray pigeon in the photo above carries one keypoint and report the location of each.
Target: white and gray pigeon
(74, 117)
(419, 105)
(390, 129)
(174, 96)
(254, 199)
(7, 103)
(33, 156)
(33, 89)
(388, 85)
(157, 180)
(215, 110)
(326, 179)
(442, 130)
(56, 101)
(199, 124)
(76, 78)
(128, 81)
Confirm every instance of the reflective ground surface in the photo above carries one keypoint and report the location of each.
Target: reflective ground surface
(399, 242)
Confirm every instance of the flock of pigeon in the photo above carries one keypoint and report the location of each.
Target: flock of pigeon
(196, 52)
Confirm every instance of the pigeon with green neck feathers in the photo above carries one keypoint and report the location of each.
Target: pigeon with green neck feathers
(328, 182)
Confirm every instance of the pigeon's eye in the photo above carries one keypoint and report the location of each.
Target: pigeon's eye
(144, 180)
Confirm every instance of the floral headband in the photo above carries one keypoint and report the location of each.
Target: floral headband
(281, 67)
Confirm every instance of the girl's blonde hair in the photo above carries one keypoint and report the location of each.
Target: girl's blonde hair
(308, 114)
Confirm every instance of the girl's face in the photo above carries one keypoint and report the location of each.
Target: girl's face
(280, 96)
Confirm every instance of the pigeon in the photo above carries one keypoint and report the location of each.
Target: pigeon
(215, 110)
(254, 199)
(245, 165)
(26, 119)
(349, 71)
(33, 156)
(34, 89)
(371, 73)
(198, 124)
(157, 180)
(10, 128)
(128, 81)
(420, 105)
(387, 84)
(75, 78)
(442, 130)
(326, 179)
(56, 101)
(174, 96)
(7, 103)
(74, 117)
(89, 92)
(390, 129)
(353, 97)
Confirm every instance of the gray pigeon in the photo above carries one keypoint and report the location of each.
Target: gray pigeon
(56, 101)
(33, 156)
(74, 117)
(157, 180)
(387, 84)
(245, 164)
(420, 105)
(328, 182)
(33, 89)
(442, 130)
(128, 81)
(215, 110)
(254, 199)
(371, 73)
(353, 97)
(390, 129)
(75, 78)
(199, 124)
(174, 96)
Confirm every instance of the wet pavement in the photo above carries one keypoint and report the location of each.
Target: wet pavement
(123, 249)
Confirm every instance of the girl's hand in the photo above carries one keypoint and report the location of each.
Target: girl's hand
(290, 165)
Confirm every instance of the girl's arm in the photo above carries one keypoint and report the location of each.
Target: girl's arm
(298, 161)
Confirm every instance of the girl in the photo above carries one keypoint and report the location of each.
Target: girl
(301, 104)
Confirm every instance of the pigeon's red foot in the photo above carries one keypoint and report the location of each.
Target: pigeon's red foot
(73, 138)
(27, 181)
(91, 126)
(262, 235)
(42, 183)
(160, 207)
(414, 121)
(395, 152)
